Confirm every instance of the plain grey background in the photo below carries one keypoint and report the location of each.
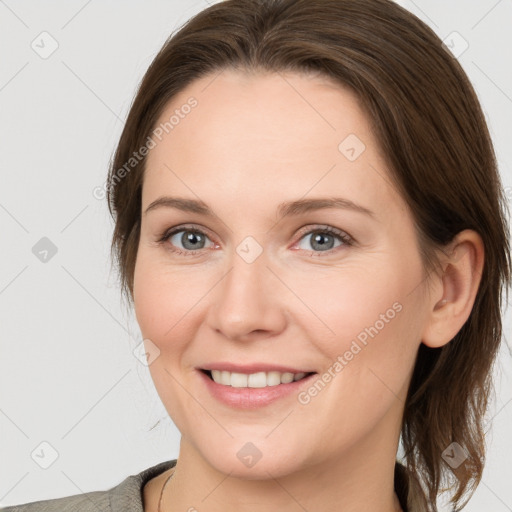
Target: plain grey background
(68, 375)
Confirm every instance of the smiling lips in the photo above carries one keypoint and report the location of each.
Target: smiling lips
(236, 390)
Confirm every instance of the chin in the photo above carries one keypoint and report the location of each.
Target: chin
(253, 457)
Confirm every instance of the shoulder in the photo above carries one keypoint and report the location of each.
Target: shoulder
(124, 497)
(97, 501)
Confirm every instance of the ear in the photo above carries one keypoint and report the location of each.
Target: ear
(455, 290)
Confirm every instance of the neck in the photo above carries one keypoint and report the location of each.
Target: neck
(347, 483)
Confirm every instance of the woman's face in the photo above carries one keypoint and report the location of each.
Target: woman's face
(248, 285)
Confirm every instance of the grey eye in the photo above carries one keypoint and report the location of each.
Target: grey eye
(321, 240)
(191, 240)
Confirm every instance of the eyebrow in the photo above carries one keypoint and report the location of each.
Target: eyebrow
(296, 207)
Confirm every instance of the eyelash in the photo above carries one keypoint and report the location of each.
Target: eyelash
(342, 236)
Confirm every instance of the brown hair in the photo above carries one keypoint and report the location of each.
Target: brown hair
(432, 131)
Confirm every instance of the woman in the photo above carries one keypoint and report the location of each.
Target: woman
(311, 228)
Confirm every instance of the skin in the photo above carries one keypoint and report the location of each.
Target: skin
(252, 142)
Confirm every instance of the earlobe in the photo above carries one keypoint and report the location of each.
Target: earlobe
(462, 271)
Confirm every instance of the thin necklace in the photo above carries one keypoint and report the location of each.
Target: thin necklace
(163, 487)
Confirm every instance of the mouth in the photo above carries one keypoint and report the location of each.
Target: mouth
(245, 391)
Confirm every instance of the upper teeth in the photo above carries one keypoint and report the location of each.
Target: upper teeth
(254, 380)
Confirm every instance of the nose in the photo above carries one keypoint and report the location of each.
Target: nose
(249, 302)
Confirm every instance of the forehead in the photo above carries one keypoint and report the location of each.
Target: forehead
(240, 105)
(269, 135)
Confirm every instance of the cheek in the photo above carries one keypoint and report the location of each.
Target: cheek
(162, 298)
(367, 324)
(360, 301)
(164, 305)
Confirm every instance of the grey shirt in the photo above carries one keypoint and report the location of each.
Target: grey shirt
(124, 497)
